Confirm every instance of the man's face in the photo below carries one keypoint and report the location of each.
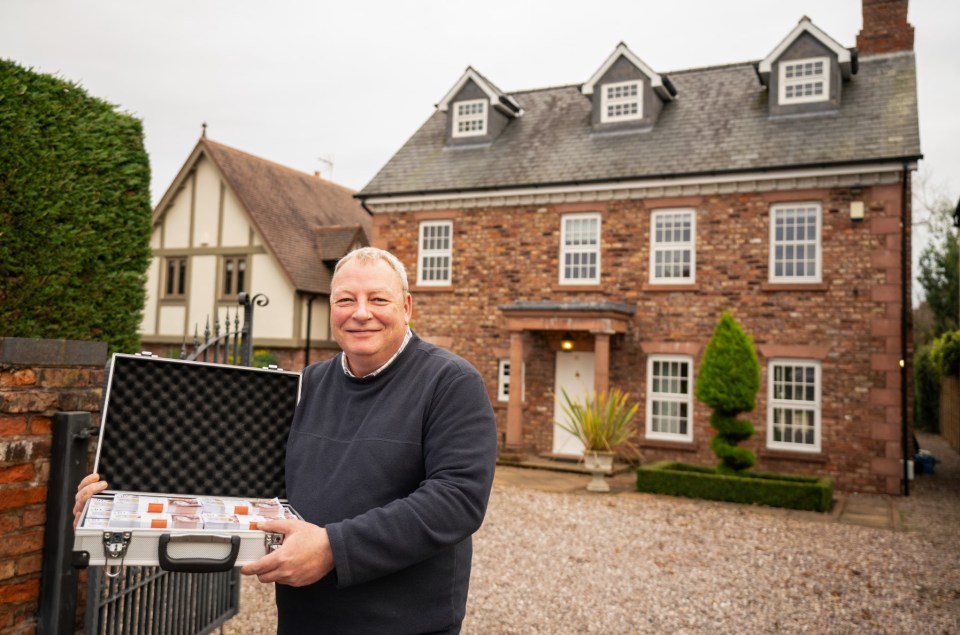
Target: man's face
(369, 313)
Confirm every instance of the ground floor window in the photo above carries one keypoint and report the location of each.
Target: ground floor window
(669, 397)
(793, 405)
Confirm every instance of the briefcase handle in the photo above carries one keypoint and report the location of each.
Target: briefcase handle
(197, 565)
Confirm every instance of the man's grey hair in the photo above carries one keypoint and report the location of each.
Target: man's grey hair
(372, 254)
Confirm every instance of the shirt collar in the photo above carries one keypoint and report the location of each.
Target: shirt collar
(403, 345)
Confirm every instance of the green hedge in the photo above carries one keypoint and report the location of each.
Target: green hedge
(74, 213)
(763, 488)
(926, 391)
(945, 354)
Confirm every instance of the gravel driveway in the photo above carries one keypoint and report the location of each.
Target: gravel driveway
(558, 563)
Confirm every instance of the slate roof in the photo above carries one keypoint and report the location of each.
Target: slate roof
(291, 210)
(719, 123)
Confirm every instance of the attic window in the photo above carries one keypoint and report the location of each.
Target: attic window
(622, 101)
(470, 118)
(804, 80)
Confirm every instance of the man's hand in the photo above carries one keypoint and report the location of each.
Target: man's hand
(302, 559)
(90, 485)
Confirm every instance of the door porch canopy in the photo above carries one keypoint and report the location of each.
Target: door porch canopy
(599, 319)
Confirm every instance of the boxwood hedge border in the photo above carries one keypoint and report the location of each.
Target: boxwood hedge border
(762, 488)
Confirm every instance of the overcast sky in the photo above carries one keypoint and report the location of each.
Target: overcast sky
(339, 86)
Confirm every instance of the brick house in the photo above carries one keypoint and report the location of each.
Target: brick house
(622, 215)
(233, 222)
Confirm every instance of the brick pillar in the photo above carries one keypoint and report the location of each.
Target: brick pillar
(37, 379)
(514, 439)
(601, 362)
(885, 27)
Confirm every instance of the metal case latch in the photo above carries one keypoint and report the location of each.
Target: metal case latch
(272, 541)
(115, 545)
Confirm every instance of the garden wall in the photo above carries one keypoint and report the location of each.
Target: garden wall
(37, 379)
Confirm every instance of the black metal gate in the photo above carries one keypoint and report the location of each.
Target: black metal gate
(151, 601)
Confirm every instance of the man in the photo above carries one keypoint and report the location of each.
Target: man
(390, 461)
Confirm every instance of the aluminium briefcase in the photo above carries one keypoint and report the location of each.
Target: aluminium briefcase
(188, 435)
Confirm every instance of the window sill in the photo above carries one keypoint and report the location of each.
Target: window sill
(798, 457)
(431, 288)
(577, 287)
(793, 286)
(659, 444)
(669, 288)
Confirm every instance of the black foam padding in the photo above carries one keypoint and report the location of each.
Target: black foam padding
(179, 427)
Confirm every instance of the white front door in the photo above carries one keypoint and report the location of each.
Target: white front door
(574, 374)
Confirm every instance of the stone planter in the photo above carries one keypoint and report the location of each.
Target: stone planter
(598, 464)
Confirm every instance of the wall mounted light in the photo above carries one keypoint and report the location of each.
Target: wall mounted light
(566, 343)
(856, 210)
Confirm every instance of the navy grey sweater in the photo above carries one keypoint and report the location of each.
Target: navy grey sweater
(398, 468)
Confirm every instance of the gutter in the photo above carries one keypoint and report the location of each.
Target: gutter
(647, 177)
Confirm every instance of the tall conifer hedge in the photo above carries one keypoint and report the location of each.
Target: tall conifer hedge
(74, 213)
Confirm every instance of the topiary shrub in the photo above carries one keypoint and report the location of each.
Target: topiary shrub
(728, 382)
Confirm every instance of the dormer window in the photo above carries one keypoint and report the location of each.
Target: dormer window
(803, 81)
(470, 118)
(622, 101)
(626, 94)
(806, 72)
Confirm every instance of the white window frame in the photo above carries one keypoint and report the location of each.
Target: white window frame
(659, 246)
(799, 75)
(776, 401)
(577, 250)
(624, 96)
(430, 270)
(783, 249)
(672, 398)
(470, 118)
(504, 374)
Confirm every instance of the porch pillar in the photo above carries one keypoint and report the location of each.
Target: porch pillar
(601, 360)
(514, 439)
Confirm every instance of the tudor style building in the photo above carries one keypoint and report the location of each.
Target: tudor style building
(232, 222)
(625, 214)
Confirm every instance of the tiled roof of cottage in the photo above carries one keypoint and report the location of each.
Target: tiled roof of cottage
(290, 209)
(719, 123)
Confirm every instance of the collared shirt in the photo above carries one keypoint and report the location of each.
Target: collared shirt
(403, 345)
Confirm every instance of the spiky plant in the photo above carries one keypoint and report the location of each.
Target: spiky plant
(602, 421)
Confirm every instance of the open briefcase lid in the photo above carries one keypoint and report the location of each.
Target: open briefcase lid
(183, 427)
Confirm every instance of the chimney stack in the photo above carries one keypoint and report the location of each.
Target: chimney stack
(885, 28)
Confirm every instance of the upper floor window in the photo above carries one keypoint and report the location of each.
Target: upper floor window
(175, 283)
(795, 242)
(793, 405)
(672, 241)
(436, 253)
(804, 80)
(580, 249)
(470, 118)
(622, 101)
(234, 276)
(669, 397)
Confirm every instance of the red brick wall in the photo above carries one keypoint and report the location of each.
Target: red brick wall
(37, 379)
(504, 255)
(885, 27)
